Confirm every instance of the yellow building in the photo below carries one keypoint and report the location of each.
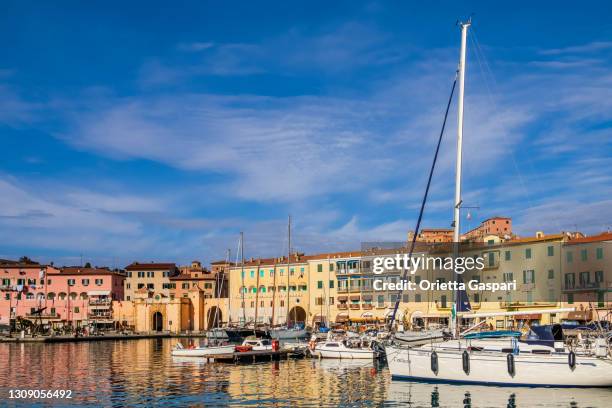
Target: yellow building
(269, 291)
(152, 277)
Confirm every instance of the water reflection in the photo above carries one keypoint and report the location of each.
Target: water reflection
(143, 373)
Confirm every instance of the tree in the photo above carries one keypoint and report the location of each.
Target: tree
(87, 265)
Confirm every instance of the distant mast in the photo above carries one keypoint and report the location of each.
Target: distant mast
(457, 208)
(288, 268)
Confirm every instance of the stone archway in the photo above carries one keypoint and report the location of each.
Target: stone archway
(297, 314)
(214, 317)
(158, 321)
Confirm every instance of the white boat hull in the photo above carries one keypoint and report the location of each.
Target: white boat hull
(202, 351)
(492, 368)
(346, 353)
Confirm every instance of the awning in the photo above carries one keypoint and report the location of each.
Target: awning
(367, 297)
(318, 319)
(98, 293)
(342, 318)
(527, 316)
(342, 298)
(357, 297)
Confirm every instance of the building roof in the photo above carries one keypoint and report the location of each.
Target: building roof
(153, 266)
(75, 270)
(605, 236)
(186, 276)
(436, 230)
(223, 262)
(544, 238)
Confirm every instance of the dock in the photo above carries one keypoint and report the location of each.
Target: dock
(253, 356)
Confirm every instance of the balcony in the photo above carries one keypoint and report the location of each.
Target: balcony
(99, 302)
(101, 316)
(355, 289)
(42, 316)
(584, 286)
(355, 306)
(342, 306)
(343, 290)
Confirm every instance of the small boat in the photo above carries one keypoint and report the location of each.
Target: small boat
(289, 333)
(258, 344)
(180, 350)
(339, 349)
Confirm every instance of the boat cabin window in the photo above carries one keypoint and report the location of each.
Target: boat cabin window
(540, 351)
(332, 345)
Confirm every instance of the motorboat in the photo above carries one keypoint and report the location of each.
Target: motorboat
(206, 351)
(417, 338)
(258, 344)
(295, 332)
(339, 349)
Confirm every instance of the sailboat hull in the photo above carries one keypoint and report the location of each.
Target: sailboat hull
(493, 368)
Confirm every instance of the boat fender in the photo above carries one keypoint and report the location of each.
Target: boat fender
(312, 345)
(571, 360)
(511, 367)
(434, 362)
(466, 362)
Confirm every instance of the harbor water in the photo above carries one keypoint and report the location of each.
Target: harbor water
(143, 373)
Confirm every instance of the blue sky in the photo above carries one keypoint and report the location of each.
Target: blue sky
(158, 131)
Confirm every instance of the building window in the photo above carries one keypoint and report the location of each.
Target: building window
(320, 268)
(507, 256)
(70, 282)
(292, 271)
(381, 300)
(331, 300)
(99, 282)
(417, 297)
(584, 278)
(528, 276)
(331, 267)
(331, 284)
(127, 286)
(85, 282)
(417, 279)
(319, 301)
(477, 297)
(570, 298)
(583, 255)
(129, 274)
(282, 272)
(598, 276)
(528, 253)
(319, 284)
(551, 274)
(208, 285)
(443, 301)
(127, 298)
(551, 250)
(569, 257)
(271, 273)
(150, 274)
(282, 303)
(76, 309)
(405, 298)
(252, 303)
(141, 274)
(141, 285)
(261, 273)
(150, 286)
(491, 257)
(570, 280)
(599, 253)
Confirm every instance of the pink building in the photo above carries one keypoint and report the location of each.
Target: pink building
(74, 296)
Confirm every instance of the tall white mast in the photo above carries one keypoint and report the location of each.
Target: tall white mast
(457, 215)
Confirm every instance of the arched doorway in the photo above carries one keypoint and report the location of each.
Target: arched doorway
(158, 321)
(214, 317)
(297, 314)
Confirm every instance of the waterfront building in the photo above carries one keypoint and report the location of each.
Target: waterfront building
(271, 291)
(57, 297)
(152, 278)
(211, 282)
(587, 276)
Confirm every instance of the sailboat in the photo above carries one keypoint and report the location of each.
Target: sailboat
(295, 331)
(499, 361)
